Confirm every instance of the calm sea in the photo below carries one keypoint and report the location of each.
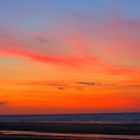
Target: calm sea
(98, 117)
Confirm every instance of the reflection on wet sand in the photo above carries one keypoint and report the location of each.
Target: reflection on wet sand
(68, 136)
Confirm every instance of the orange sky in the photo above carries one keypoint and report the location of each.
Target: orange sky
(79, 64)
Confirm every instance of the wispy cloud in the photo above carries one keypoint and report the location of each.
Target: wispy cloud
(106, 46)
(87, 83)
(95, 83)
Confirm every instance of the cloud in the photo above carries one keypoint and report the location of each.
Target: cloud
(87, 83)
(62, 84)
(123, 70)
(112, 45)
(95, 83)
(45, 54)
(2, 103)
(42, 40)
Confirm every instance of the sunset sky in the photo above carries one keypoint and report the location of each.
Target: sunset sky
(69, 56)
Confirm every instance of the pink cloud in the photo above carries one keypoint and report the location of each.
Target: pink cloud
(64, 59)
(113, 46)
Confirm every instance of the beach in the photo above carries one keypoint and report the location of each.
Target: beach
(69, 130)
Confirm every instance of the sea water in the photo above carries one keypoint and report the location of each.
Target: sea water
(95, 117)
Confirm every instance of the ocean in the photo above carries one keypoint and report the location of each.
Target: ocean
(95, 117)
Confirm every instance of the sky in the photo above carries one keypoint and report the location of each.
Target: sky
(69, 56)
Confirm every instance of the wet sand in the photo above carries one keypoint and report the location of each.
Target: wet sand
(63, 136)
(81, 128)
(53, 138)
(69, 128)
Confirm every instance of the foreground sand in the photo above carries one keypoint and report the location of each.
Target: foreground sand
(81, 128)
(10, 137)
(69, 128)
